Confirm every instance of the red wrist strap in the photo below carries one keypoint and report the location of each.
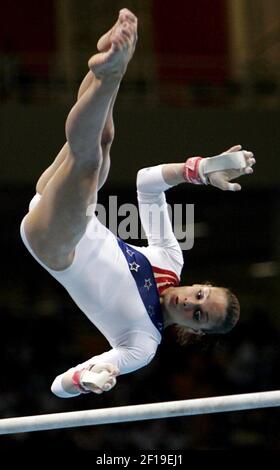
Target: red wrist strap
(76, 381)
(191, 173)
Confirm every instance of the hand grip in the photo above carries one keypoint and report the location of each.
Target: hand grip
(95, 378)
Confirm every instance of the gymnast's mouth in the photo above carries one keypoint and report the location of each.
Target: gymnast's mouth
(174, 300)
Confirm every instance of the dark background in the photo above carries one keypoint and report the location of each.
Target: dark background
(182, 96)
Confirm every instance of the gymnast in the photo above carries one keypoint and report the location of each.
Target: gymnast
(130, 294)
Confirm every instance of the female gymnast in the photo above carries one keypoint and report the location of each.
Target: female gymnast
(102, 272)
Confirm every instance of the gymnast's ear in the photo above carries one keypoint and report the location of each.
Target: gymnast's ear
(195, 332)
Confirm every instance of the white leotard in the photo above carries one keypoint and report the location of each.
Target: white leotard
(100, 283)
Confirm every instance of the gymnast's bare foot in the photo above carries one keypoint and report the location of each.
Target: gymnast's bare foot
(117, 47)
(104, 43)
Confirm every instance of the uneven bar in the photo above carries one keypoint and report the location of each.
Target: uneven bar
(122, 414)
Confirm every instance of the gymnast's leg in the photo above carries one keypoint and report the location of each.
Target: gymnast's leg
(59, 220)
(108, 132)
(107, 138)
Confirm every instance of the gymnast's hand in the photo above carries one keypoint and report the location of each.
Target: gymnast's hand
(221, 179)
(99, 378)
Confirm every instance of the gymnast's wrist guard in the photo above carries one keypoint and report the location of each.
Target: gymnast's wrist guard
(197, 169)
(76, 381)
(191, 171)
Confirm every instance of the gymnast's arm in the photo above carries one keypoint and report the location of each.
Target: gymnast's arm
(217, 171)
(134, 352)
(154, 181)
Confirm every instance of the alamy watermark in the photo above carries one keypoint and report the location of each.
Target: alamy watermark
(160, 222)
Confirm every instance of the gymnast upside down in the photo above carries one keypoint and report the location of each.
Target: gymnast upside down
(101, 273)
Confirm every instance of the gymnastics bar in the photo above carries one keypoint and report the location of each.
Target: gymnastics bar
(122, 414)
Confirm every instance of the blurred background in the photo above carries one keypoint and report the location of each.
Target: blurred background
(205, 76)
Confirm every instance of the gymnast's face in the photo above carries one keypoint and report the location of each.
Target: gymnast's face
(199, 307)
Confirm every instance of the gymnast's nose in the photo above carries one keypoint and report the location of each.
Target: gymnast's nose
(188, 304)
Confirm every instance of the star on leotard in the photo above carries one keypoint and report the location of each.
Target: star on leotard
(134, 266)
(129, 252)
(151, 311)
(148, 283)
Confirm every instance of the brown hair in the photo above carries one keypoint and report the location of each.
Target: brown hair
(230, 320)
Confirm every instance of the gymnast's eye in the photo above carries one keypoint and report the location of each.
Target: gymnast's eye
(197, 316)
(199, 295)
